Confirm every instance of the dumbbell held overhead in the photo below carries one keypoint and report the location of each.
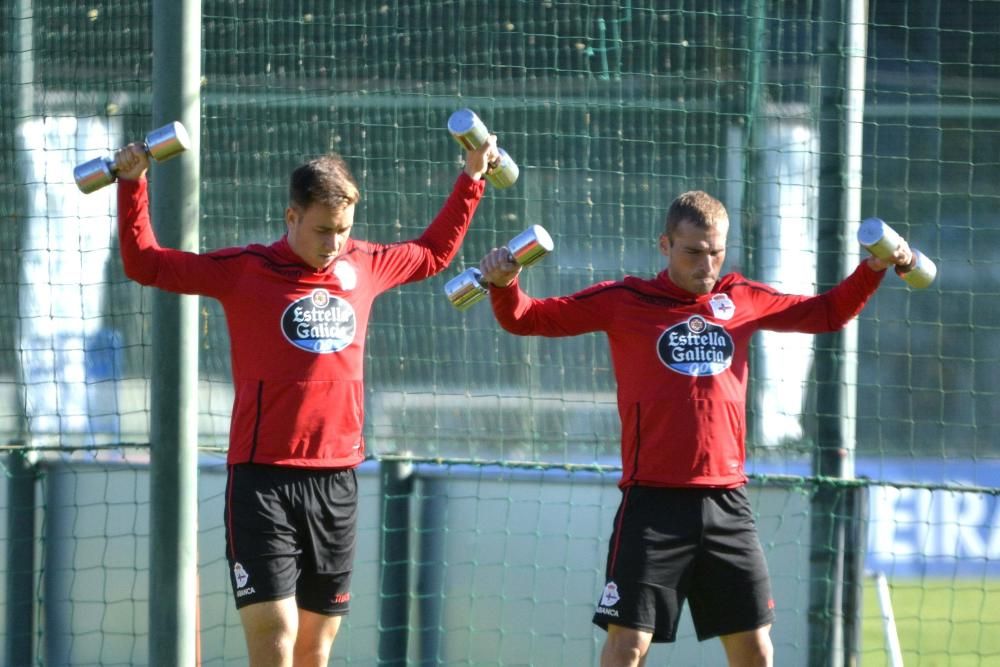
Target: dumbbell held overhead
(882, 240)
(161, 144)
(470, 132)
(469, 288)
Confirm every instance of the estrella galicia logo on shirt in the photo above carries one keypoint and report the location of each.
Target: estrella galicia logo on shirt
(319, 323)
(696, 347)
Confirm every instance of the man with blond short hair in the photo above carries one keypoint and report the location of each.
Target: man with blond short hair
(297, 312)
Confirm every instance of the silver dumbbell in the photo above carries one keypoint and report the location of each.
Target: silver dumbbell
(160, 144)
(468, 287)
(882, 240)
(470, 133)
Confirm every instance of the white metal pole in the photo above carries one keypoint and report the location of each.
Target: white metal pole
(888, 621)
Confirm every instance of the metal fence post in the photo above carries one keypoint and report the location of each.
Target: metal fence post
(840, 112)
(430, 567)
(175, 201)
(394, 588)
(21, 575)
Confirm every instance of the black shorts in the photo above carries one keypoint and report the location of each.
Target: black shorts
(670, 545)
(291, 531)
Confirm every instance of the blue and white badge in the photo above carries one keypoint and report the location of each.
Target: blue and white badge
(696, 347)
(722, 307)
(319, 323)
(346, 274)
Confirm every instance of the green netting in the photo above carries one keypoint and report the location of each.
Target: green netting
(610, 109)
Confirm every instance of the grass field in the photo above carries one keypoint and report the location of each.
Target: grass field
(940, 622)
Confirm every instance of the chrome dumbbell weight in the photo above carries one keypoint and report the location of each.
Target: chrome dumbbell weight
(882, 240)
(470, 133)
(468, 287)
(160, 144)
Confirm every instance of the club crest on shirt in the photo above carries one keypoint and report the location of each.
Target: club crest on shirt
(696, 347)
(722, 307)
(346, 274)
(319, 322)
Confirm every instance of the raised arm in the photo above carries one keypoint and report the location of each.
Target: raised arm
(434, 250)
(143, 259)
(584, 312)
(833, 309)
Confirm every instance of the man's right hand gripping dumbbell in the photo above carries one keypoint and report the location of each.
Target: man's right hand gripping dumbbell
(502, 264)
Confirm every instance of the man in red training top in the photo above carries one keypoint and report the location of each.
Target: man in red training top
(297, 312)
(679, 347)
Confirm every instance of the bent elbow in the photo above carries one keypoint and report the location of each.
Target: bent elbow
(136, 273)
(439, 264)
(516, 327)
(840, 321)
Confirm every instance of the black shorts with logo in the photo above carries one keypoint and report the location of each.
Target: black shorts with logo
(291, 531)
(669, 545)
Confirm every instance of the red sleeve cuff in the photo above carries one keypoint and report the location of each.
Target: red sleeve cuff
(465, 182)
(131, 188)
(129, 183)
(512, 286)
(873, 275)
(130, 194)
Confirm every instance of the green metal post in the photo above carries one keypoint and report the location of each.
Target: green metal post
(394, 589)
(19, 648)
(21, 538)
(750, 227)
(430, 569)
(831, 452)
(854, 572)
(174, 460)
(840, 106)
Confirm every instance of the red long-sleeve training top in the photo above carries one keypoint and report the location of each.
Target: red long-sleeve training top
(680, 361)
(297, 334)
